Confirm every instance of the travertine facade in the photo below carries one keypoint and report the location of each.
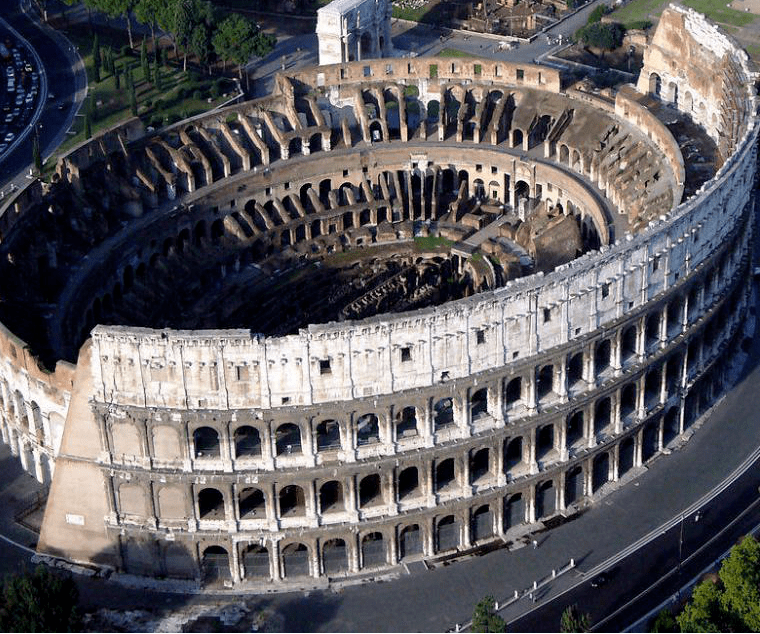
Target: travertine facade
(262, 419)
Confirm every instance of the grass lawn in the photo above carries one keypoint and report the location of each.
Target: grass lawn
(716, 10)
(413, 15)
(452, 52)
(427, 243)
(182, 94)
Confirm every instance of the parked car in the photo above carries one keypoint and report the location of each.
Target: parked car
(9, 137)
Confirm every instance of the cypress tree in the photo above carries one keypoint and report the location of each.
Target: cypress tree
(133, 100)
(116, 77)
(36, 154)
(144, 60)
(87, 126)
(96, 59)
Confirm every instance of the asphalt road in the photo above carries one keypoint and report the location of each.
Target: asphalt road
(66, 85)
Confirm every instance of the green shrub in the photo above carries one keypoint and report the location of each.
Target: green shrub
(126, 51)
(197, 94)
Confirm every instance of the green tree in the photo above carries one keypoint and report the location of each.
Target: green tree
(87, 126)
(200, 44)
(573, 620)
(238, 39)
(144, 60)
(664, 622)
(157, 73)
(604, 35)
(740, 576)
(96, 59)
(36, 154)
(39, 601)
(703, 613)
(146, 12)
(132, 99)
(116, 9)
(484, 617)
(116, 77)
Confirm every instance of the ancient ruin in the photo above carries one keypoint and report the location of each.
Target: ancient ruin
(397, 310)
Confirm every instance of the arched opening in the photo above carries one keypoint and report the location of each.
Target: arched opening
(408, 483)
(545, 382)
(370, 491)
(481, 525)
(513, 453)
(373, 550)
(517, 138)
(215, 565)
(575, 380)
(628, 345)
(564, 154)
(670, 425)
(514, 511)
(288, 439)
(295, 560)
(545, 499)
(331, 497)
(522, 192)
(602, 356)
(574, 432)
(251, 504)
(247, 442)
(256, 562)
(410, 541)
(406, 423)
(376, 131)
(655, 84)
(652, 336)
(651, 441)
(626, 456)
(365, 45)
(513, 393)
(206, 442)
(447, 533)
(445, 475)
(367, 430)
(673, 88)
(601, 471)
(210, 504)
(544, 441)
(334, 556)
(443, 413)
(602, 415)
(292, 501)
(628, 403)
(480, 465)
(573, 485)
(479, 404)
(652, 385)
(328, 435)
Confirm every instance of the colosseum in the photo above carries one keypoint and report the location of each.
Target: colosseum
(398, 310)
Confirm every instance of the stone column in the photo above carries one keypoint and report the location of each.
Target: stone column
(590, 362)
(530, 505)
(315, 568)
(501, 477)
(428, 536)
(617, 353)
(531, 448)
(391, 493)
(560, 492)
(464, 464)
(353, 554)
(589, 415)
(393, 548)
(562, 379)
(275, 566)
(641, 410)
(271, 505)
(530, 393)
(235, 563)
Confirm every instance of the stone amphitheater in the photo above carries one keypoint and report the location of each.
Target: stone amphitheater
(400, 310)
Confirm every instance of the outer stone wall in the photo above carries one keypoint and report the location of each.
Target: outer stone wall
(225, 456)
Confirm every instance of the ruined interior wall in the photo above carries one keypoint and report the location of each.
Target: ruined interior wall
(710, 72)
(147, 368)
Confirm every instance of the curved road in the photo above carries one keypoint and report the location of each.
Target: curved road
(66, 86)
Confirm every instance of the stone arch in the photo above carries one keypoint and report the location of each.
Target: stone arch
(215, 565)
(545, 499)
(206, 442)
(517, 138)
(514, 511)
(406, 422)
(295, 560)
(443, 413)
(328, 435)
(374, 551)
(410, 541)
(288, 439)
(331, 497)
(481, 523)
(292, 501)
(655, 84)
(408, 483)
(513, 453)
(211, 504)
(573, 485)
(513, 393)
(600, 471)
(256, 562)
(247, 442)
(447, 533)
(445, 474)
(370, 491)
(367, 430)
(480, 464)
(334, 556)
(251, 504)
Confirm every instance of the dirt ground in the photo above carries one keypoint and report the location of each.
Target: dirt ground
(619, 58)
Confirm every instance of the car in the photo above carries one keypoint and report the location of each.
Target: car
(28, 67)
(19, 99)
(29, 98)
(51, 96)
(9, 71)
(9, 137)
(3, 147)
(600, 580)
(8, 118)
(16, 112)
